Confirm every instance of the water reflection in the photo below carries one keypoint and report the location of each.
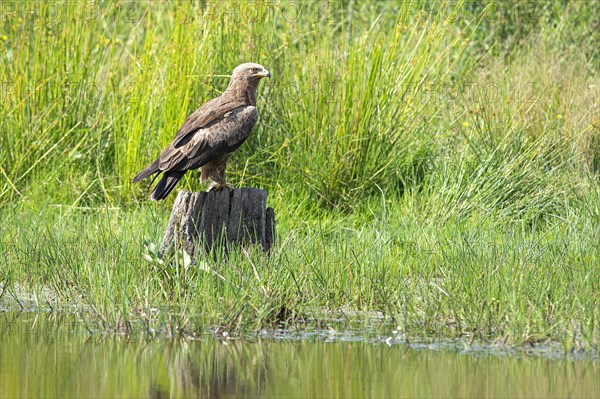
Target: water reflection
(54, 355)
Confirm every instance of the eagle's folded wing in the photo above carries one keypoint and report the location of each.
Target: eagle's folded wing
(222, 135)
(209, 113)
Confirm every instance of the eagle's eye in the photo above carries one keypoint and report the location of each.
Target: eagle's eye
(255, 69)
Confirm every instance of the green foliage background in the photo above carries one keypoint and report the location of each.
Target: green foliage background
(366, 96)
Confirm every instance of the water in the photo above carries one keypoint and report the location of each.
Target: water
(54, 355)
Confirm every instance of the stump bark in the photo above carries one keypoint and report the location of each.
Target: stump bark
(219, 218)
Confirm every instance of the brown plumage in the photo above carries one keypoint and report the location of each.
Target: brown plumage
(210, 134)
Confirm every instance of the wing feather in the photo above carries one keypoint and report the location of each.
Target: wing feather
(222, 136)
(208, 113)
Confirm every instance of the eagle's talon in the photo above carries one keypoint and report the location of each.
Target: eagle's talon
(219, 186)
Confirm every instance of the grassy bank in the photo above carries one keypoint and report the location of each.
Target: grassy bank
(475, 277)
(437, 165)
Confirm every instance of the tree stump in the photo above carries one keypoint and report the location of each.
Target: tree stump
(219, 218)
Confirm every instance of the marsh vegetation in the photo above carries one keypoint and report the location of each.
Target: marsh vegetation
(436, 165)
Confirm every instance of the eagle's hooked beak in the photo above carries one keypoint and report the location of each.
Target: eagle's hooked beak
(264, 74)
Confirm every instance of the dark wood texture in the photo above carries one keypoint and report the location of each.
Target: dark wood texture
(225, 217)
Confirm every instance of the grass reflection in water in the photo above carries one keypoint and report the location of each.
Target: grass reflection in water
(54, 355)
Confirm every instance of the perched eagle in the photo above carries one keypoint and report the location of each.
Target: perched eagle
(210, 134)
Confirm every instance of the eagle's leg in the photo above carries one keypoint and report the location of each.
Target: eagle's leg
(215, 171)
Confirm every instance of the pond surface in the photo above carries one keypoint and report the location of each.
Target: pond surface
(54, 355)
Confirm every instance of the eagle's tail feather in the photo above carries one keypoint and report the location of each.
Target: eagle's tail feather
(166, 185)
(150, 170)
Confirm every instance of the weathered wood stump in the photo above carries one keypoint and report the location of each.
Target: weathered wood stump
(219, 218)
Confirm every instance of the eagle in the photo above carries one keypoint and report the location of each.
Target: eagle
(210, 134)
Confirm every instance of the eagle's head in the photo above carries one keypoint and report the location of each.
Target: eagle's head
(250, 72)
(244, 81)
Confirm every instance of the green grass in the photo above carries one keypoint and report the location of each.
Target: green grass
(517, 283)
(438, 165)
